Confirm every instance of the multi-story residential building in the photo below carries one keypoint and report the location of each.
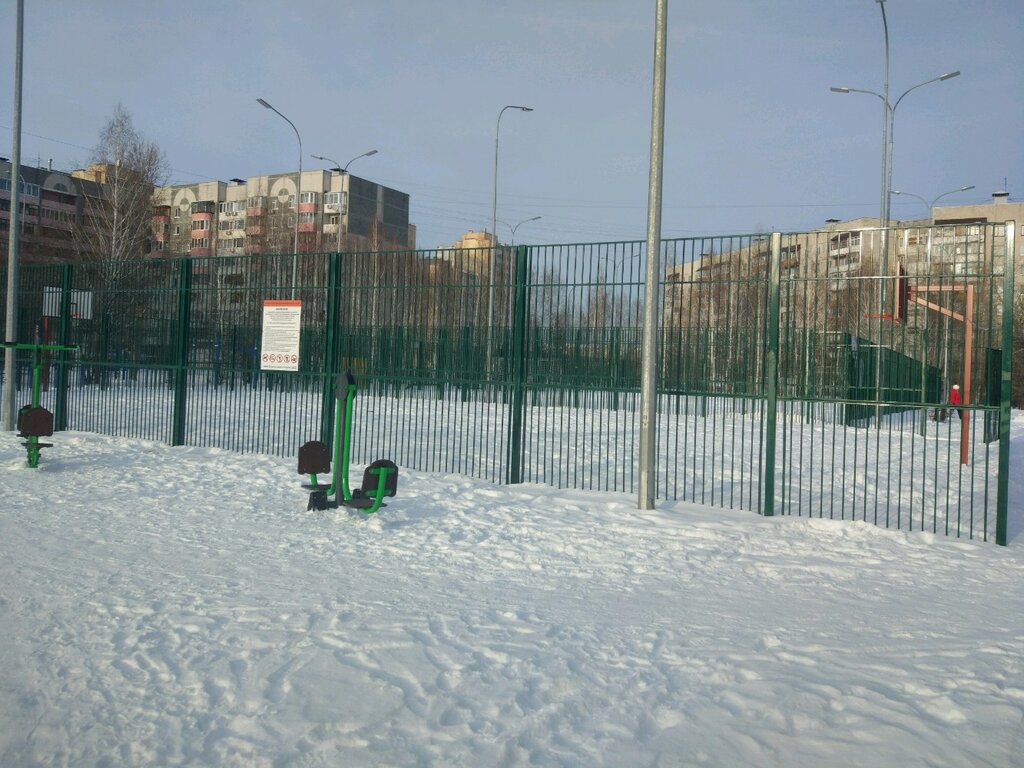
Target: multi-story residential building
(843, 249)
(336, 211)
(829, 288)
(51, 207)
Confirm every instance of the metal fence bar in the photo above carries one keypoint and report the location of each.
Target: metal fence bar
(1005, 389)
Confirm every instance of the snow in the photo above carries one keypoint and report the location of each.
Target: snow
(179, 606)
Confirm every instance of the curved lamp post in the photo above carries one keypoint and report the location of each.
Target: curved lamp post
(517, 226)
(365, 154)
(494, 224)
(888, 120)
(298, 189)
(887, 133)
(342, 170)
(931, 206)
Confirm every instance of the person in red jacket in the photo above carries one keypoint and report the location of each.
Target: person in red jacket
(954, 400)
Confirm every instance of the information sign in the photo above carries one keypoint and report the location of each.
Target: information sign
(279, 347)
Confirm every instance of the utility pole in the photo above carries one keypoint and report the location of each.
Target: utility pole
(11, 325)
(648, 381)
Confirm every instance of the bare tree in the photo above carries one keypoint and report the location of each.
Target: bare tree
(127, 167)
(113, 233)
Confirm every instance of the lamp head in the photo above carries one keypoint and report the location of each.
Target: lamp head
(964, 189)
(371, 152)
(261, 102)
(840, 90)
(950, 75)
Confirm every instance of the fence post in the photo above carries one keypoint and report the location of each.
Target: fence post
(515, 438)
(60, 406)
(331, 316)
(772, 377)
(1006, 389)
(181, 352)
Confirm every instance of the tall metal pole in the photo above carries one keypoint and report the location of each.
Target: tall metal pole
(494, 233)
(11, 324)
(883, 221)
(883, 216)
(648, 381)
(341, 180)
(298, 192)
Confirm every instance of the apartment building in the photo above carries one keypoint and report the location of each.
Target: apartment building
(828, 256)
(336, 211)
(51, 207)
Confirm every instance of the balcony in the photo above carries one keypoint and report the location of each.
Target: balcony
(204, 206)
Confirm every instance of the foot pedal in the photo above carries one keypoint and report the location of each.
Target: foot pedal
(359, 500)
(318, 501)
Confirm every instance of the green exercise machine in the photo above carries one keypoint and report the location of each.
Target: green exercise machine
(35, 421)
(379, 480)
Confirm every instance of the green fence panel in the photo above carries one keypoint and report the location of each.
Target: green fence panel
(791, 377)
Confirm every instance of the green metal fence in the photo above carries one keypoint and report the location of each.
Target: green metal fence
(798, 374)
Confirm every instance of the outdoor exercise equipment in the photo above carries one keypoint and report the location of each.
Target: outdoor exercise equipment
(35, 421)
(379, 480)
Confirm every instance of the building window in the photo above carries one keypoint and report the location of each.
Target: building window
(307, 218)
(200, 242)
(307, 197)
(30, 190)
(200, 224)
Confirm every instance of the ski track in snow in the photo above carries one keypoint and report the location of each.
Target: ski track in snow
(179, 606)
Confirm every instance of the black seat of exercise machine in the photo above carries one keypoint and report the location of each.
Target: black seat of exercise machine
(373, 472)
(365, 497)
(314, 458)
(34, 422)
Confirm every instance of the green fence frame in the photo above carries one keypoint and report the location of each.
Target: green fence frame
(758, 398)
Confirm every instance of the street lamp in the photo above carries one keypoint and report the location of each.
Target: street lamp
(298, 190)
(887, 134)
(888, 120)
(494, 224)
(342, 170)
(365, 154)
(931, 206)
(513, 229)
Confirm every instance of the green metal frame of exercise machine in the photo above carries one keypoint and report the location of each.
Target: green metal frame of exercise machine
(379, 480)
(34, 421)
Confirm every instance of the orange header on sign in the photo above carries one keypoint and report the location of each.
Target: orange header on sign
(282, 303)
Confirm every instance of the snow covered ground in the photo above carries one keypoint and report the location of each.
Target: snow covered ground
(179, 606)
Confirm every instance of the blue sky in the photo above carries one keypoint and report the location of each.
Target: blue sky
(754, 139)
